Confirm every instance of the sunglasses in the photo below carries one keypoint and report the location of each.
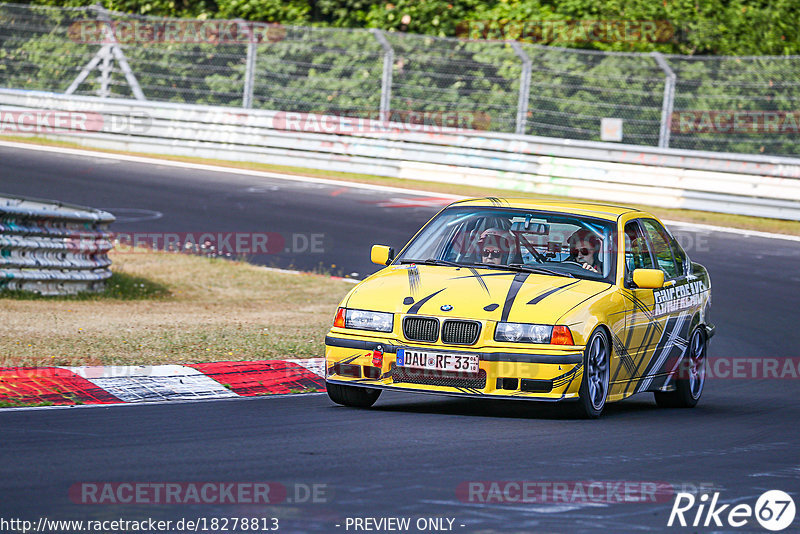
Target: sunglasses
(491, 253)
(582, 251)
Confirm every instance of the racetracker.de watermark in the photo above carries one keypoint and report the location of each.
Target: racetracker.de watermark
(569, 31)
(564, 491)
(205, 242)
(212, 32)
(351, 122)
(212, 492)
(745, 368)
(735, 122)
(49, 121)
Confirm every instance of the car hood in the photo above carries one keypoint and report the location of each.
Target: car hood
(475, 293)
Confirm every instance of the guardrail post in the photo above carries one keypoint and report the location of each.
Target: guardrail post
(668, 100)
(386, 78)
(524, 87)
(250, 67)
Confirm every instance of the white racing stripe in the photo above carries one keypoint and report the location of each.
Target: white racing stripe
(665, 351)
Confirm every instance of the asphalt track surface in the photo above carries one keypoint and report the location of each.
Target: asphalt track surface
(407, 456)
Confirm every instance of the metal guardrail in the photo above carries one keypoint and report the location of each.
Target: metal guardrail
(764, 186)
(53, 248)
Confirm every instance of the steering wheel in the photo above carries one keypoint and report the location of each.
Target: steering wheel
(579, 264)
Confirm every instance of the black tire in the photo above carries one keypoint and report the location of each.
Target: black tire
(691, 375)
(354, 396)
(593, 391)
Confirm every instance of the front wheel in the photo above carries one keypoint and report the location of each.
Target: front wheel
(354, 396)
(691, 375)
(596, 375)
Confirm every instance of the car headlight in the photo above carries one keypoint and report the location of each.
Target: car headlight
(533, 333)
(364, 320)
(523, 333)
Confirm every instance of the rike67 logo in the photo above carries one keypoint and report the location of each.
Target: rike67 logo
(774, 510)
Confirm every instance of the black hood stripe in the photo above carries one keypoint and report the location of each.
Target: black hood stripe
(415, 308)
(513, 289)
(504, 273)
(477, 275)
(539, 298)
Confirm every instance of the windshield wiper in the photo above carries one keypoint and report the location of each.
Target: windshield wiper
(431, 261)
(542, 270)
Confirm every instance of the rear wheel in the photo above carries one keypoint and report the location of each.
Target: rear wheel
(596, 375)
(354, 396)
(691, 375)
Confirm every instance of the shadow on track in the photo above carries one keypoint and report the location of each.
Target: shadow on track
(510, 409)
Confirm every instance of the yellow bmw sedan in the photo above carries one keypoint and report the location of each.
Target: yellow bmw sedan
(530, 300)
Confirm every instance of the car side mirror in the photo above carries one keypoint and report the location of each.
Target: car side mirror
(648, 278)
(381, 254)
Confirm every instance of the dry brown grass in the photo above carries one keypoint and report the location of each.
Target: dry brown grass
(189, 309)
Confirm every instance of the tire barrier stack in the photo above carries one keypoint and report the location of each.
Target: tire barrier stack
(52, 248)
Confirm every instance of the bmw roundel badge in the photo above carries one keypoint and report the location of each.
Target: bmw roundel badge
(446, 307)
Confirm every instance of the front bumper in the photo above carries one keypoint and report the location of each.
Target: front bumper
(549, 374)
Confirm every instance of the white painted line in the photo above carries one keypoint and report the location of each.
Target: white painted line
(229, 170)
(738, 231)
(339, 183)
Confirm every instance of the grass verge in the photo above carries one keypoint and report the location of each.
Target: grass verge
(169, 308)
(704, 217)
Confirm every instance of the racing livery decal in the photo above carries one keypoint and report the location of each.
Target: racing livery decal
(678, 298)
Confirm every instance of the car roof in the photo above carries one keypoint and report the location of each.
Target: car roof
(592, 209)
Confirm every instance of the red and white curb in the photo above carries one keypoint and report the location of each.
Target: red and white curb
(158, 383)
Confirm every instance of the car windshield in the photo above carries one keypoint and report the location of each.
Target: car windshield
(558, 244)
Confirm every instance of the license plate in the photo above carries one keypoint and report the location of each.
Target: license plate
(438, 361)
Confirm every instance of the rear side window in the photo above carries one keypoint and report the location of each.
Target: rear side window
(660, 243)
(680, 256)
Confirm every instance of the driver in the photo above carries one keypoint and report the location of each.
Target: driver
(495, 246)
(584, 248)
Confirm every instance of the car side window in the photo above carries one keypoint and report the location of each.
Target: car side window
(680, 256)
(637, 253)
(660, 241)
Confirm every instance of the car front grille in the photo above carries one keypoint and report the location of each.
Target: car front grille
(421, 329)
(460, 332)
(439, 378)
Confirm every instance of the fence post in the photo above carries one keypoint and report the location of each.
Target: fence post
(524, 87)
(250, 68)
(386, 78)
(668, 100)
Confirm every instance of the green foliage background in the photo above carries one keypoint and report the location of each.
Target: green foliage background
(721, 27)
(318, 67)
